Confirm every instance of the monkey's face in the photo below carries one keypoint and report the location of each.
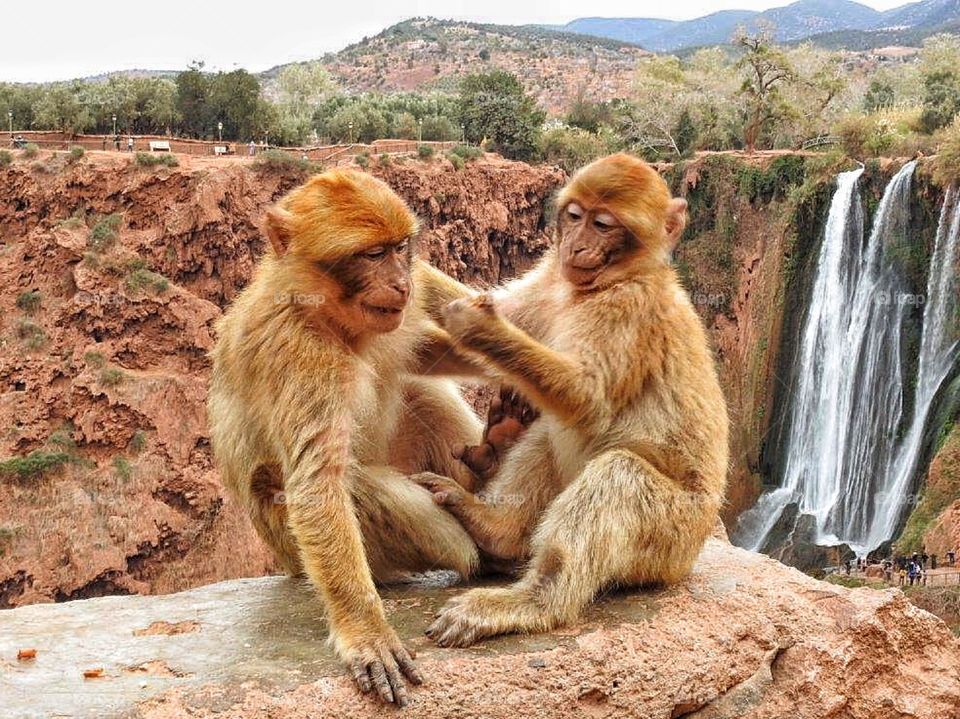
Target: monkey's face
(594, 245)
(372, 287)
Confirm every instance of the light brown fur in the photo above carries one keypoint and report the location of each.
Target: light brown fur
(315, 420)
(620, 481)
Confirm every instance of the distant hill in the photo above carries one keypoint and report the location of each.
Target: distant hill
(796, 21)
(429, 54)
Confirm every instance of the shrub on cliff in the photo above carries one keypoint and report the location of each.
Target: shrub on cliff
(425, 152)
(280, 161)
(30, 150)
(76, 153)
(34, 465)
(29, 302)
(571, 147)
(147, 159)
(5, 158)
(104, 232)
(947, 167)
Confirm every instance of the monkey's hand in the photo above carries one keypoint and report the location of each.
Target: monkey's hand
(463, 317)
(377, 660)
(446, 492)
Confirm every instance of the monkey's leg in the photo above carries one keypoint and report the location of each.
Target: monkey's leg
(501, 518)
(268, 513)
(620, 523)
(507, 420)
(404, 530)
(435, 421)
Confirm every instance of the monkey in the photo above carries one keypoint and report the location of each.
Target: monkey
(318, 413)
(620, 480)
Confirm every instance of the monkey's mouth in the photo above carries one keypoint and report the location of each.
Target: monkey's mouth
(384, 311)
(582, 277)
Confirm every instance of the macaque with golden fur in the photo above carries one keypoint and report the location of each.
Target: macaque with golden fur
(619, 482)
(315, 420)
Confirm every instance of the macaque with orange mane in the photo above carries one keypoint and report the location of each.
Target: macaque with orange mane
(620, 480)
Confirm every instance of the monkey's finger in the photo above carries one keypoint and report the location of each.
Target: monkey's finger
(379, 675)
(397, 685)
(458, 451)
(495, 413)
(407, 665)
(359, 673)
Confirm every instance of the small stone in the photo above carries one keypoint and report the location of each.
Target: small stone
(537, 663)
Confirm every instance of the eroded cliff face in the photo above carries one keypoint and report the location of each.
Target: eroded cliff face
(107, 319)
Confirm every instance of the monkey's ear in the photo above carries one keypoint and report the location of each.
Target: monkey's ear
(279, 225)
(676, 221)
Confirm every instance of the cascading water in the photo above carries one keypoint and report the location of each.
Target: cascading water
(844, 464)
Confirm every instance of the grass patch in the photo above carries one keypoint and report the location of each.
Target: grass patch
(844, 581)
(385, 160)
(941, 601)
(935, 497)
(138, 442)
(30, 150)
(76, 154)
(31, 334)
(425, 152)
(8, 532)
(141, 278)
(362, 159)
(29, 301)
(280, 161)
(35, 465)
(467, 152)
(95, 360)
(111, 377)
(458, 162)
(6, 157)
(122, 468)
(149, 159)
(103, 234)
(62, 440)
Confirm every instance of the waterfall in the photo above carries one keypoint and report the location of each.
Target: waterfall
(844, 464)
(938, 353)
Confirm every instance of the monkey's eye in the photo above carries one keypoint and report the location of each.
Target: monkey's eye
(376, 253)
(402, 247)
(574, 211)
(605, 221)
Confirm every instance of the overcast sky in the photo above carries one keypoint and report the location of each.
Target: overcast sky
(63, 39)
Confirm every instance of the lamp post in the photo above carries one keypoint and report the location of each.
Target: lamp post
(114, 118)
(463, 133)
(10, 123)
(420, 130)
(220, 131)
(350, 133)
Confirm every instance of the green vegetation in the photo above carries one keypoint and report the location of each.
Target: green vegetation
(5, 158)
(140, 278)
(362, 159)
(138, 442)
(494, 107)
(844, 581)
(425, 152)
(122, 468)
(111, 377)
(154, 159)
(30, 150)
(31, 334)
(76, 153)
(8, 532)
(284, 162)
(29, 301)
(936, 496)
(457, 161)
(467, 152)
(96, 360)
(947, 169)
(34, 465)
(103, 234)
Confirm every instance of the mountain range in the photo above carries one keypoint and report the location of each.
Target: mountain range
(797, 21)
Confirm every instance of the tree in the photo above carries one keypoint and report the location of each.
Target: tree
(685, 133)
(301, 88)
(234, 99)
(767, 69)
(880, 96)
(192, 102)
(493, 106)
(941, 100)
(61, 108)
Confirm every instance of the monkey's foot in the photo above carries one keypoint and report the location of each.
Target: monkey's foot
(507, 420)
(482, 613)
(446, 492)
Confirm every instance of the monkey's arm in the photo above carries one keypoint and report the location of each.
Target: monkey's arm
(435, 290)
(320, 513)
(549, 379)
(439, 356)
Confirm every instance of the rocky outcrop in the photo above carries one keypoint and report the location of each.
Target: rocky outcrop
(110, 282)
(787, 645)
